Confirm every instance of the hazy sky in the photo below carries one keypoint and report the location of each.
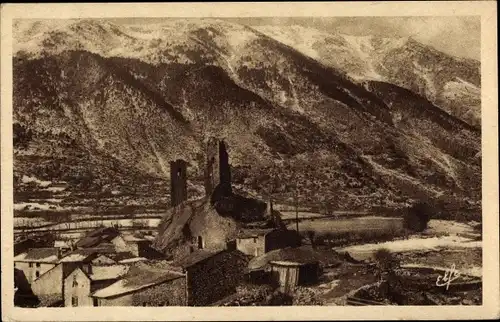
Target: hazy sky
(456, 35)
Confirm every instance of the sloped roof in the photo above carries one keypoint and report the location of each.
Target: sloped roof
(302, 254)
(254, 232)
(62, 244)
(132, 238)
(100, 273)
(137, 278)
(133, 260)
(194, 257)
(39, 255)
(97, 236)
(119, 256)
(79, 255)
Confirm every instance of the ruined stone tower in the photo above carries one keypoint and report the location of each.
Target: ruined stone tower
(212, 166)
(178, 182)
(217, 168)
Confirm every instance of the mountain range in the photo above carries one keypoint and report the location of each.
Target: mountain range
(355, 121)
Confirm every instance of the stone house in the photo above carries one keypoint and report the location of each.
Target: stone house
(212, 276)
(199, 279)
(256, 242)
(49, 285)
(144, 286)
(111, 240)
(63, 245)
(194, 225)
(37, 261)
(81, 282)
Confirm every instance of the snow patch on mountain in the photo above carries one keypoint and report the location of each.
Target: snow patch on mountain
(459, 88)
(426, 75)
(301, 38)
(363, 48)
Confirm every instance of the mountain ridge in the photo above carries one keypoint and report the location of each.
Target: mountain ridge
(278, 112)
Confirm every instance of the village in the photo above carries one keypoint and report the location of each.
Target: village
(223, 249)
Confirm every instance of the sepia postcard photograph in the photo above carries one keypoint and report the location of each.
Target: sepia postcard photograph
(249, 161)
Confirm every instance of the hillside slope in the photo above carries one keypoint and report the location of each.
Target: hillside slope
(452, 83)
(136, 97)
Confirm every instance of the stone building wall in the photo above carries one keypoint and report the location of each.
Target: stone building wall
(253, 246)
(77, 288)
(178, 182)
(30, 269)
(215, 278)
(49, 283)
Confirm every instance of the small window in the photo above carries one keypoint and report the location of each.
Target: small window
(37, 274)
(74, 301)
(144, 304)
(37, 264)
(255, 239)
(95, 302)
(30, 264)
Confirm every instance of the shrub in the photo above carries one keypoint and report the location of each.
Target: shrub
(384, 260)
(417, 217)
(311, 236)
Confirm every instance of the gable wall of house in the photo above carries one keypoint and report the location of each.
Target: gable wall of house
(31, 272)
(49, 283)
(77, 285)
(254, 246)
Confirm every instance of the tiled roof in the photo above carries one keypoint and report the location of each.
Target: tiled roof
(108, 272)
(136, 279)
(254, 232)
(301, 255)
(40, 255)
(79, 255)
(62, 244)
(120, 256)
(132, 260)
(194, 257)
(132, 238)
(97, 236)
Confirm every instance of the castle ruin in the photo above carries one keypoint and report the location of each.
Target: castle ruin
(217, 168)
(178, 182)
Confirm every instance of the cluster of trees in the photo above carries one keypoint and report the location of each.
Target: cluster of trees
(22, 136)
(417, 217)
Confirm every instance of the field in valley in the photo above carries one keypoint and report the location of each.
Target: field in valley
(334, 226)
